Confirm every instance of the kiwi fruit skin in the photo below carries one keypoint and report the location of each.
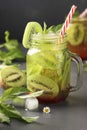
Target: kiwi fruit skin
(75, 34)
(2, 84)
(12, 76)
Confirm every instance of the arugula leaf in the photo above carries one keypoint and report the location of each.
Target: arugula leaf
(8, 57)
(11, 93)
(19, 102)
(10, 44)
(8, 111)
(4, 118)
(16, 53)
(12, 50)
(11, 112)
(2, 55)
(7, 36)
(29, 119)
(2, 45)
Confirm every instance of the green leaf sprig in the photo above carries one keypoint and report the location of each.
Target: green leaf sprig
(12, 50)
(9, 111)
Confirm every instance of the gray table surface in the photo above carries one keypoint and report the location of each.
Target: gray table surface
(68, 115)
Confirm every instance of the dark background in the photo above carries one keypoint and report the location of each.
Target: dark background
(14, 14)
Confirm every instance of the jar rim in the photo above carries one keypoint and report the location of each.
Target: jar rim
(47, 36)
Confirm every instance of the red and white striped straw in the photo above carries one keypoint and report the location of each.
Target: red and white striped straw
(67, 21)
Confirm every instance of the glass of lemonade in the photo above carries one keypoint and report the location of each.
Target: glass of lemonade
(77, 37)
(48, 67)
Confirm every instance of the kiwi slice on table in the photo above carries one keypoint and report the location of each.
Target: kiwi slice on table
(75, 34)
(12, 76)
(40, 82)
(31, 28)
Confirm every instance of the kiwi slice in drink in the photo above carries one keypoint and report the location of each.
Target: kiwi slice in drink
(40, 82)
(75, 34)
(31, 28)
(12, 76)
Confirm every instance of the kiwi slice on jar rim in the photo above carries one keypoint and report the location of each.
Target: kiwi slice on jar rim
(31, 28)
(13, 77)
(75, 34)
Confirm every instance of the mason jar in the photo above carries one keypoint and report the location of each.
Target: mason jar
(49, 67)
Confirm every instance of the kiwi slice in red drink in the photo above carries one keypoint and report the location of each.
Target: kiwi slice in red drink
(75, 34)
(31, 28)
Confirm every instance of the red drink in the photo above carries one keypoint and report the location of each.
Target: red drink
(77, 37)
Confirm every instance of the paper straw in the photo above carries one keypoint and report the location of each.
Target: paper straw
(67, 21)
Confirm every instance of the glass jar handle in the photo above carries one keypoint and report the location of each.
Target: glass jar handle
(79, 65)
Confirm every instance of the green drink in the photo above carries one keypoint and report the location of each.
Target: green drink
(48, 66)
